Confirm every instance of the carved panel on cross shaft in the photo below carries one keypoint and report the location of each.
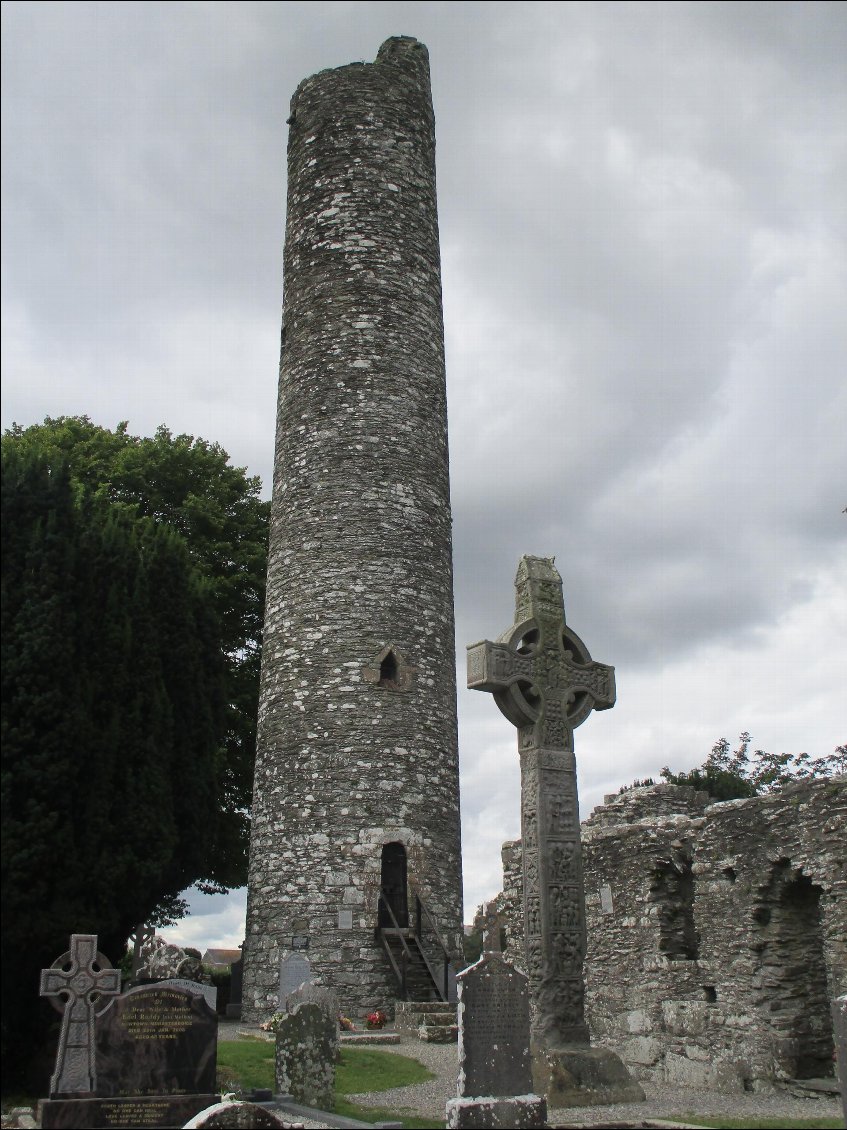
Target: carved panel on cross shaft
(563, 863)
(557, 760)
(565, 907)
(554, 732)
(564, 997)
(533, 918)
(568, 949)
(530, 870)
(526, 738)
(534, 959)
(560, 817)
(529, 834)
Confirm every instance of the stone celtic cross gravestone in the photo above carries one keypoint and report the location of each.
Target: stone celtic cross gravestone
(495, 1067)
(545, 682)
(79, 978)
(145, 1057)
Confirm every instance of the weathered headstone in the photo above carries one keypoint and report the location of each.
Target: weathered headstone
(326, 999)
(306, 1043)
(236, 988)
(839, 1031)
(544, 681)
(294, 970)
(495, 1064)
(150, 1055)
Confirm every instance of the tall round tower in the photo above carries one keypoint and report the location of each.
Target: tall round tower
(355, 854)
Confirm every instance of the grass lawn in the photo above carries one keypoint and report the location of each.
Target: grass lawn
(245, 1064)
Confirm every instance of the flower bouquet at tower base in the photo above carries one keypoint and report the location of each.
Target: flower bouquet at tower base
(376, 1019)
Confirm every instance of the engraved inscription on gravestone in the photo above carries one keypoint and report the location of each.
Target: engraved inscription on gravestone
(156, 1040)
(208, 992)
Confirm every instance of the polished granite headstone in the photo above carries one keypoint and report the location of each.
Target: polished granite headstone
(155, 1050)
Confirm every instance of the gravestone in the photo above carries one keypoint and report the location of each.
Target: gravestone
(545, 682)
(150, 1054)
(294, 970)
(495, 1063)
(326, 1000)
(80, 978)
(236, 988)
(306, 1045)
(208, 992)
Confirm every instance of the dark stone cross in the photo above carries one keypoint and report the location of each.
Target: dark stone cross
(545, 682)
(81, 976)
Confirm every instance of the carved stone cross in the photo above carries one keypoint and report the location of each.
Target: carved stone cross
(81, 977)
(545, 682)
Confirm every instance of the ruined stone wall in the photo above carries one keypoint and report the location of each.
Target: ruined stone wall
(716, 941)
(357, 744)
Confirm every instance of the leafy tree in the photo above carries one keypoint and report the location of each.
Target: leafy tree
(189, 486)
(729, 774)
(114, 697)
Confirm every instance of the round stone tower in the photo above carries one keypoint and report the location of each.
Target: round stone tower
(355, 856)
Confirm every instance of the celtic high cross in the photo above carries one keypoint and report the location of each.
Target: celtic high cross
(74, 983)
(545, 682)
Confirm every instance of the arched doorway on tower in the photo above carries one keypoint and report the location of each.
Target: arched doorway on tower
(394, 896)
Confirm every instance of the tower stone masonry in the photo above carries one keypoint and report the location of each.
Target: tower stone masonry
(356, 783)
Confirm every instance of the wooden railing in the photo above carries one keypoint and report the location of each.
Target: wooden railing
(422, 910)
(439, 980)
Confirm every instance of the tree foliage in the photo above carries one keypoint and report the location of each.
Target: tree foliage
(187, 485)
(729, 774)
(114, 712)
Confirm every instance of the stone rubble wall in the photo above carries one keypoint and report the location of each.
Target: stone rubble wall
(357, 738)
(758, 887)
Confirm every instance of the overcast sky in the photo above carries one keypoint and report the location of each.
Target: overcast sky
(642, 212)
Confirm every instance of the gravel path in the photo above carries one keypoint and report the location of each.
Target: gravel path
(663, 1101)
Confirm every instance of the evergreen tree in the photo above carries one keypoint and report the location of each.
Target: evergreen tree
(189, 486)
(114, 700)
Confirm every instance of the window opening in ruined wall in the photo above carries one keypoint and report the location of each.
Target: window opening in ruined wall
(790, 979)
(672, 892)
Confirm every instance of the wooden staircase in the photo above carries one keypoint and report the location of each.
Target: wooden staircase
(417, 979)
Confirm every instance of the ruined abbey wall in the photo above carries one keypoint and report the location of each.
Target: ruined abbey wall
(717, 933)
(357, 745)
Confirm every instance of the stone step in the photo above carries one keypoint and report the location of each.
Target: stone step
(431, 1021)
(424, 1006)
(438, 1033)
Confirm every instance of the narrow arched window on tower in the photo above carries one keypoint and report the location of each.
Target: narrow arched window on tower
(388, 670)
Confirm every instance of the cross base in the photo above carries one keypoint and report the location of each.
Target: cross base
(578, 1075)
